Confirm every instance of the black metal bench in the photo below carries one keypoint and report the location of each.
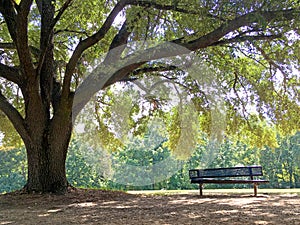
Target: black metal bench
(228, 176)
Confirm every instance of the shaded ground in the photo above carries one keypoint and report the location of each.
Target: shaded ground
(104, 207)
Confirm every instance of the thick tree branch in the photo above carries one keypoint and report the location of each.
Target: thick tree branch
(45, 69)
(47, 19)
(174, 7)
(10, 73)
(118, 44)
(121, 68)
(100, 78)
(240, 39)
(232, 25)
(46, 9)
(166, 50)
(86, 43)
(121, 37)
(154, 69)
(71, 31)
(14, 116)
(39, 5)
(24, 7)
(154, 4)
(21, 41)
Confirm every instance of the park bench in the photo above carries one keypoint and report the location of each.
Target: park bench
(230, 175)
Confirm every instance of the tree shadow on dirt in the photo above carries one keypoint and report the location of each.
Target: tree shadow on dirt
(106, 207)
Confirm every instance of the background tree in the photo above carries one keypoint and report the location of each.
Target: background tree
(46, 47)
(282, 164)
(12, 169)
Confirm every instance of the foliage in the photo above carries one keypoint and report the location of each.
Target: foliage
(79, 172)
(144, 162)
(257, 63)
(85, 168)
(12, 169)
(283, 162)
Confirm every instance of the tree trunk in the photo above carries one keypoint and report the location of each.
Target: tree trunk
(46, 165)
(46, 170)
(46, 155)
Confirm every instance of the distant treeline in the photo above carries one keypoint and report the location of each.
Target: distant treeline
(135, 164)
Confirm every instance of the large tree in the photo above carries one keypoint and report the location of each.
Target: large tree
(46, 46)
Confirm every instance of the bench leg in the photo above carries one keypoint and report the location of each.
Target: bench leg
(200, 188)
(255, 189)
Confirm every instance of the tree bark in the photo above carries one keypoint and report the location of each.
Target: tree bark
(46, 161)
(47, 150)
(46, 171)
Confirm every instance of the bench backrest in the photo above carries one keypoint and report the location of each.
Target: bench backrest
(226, 172)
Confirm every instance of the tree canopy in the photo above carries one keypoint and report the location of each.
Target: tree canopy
(249, 48)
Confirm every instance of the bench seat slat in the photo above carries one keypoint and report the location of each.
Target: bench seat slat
(214, 181)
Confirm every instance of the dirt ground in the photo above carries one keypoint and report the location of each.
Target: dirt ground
(106, 207)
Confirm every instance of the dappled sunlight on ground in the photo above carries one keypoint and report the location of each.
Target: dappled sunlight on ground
(104, 207)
